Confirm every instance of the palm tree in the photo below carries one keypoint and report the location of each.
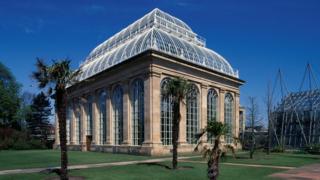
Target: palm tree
(56, 77)
(177, 88)
(214, 129)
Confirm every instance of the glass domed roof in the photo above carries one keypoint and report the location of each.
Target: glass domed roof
(157, 31)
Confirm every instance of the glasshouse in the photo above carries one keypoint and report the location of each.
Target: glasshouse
(117, 105)
(296, 120)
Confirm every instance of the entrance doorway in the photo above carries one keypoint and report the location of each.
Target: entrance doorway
(88, 142)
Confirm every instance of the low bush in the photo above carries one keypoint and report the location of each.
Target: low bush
(313, 149)
(277, 149)
(18, 140)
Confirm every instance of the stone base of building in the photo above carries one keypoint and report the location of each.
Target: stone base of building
(134, 150)
(145, 149)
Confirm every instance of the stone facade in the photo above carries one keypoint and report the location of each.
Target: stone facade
(151, 67)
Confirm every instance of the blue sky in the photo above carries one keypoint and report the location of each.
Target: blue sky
(256, 37)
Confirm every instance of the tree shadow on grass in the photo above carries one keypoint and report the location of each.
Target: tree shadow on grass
(242, 157)
(166, 166)
(55, 174)
(70, 178)
(301, 157)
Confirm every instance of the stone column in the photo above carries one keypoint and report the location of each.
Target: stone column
(152, 109)
(221, 109)
(95, 118)
(203, 109)
(109, 118)
(183, 124)
(56, 130)
(77, 112)
(73, 123)
(126, 114)
(221, 105)
(83, 113)
(236, 123)
(68, 124)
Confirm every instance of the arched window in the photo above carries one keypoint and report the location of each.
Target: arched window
(228, 116)
(137, 106)
(166, 116)
(78, 122)
(212, 100)
(89, 116)
(103, 116)
(117, 104)
(192, 103)
(68, 124)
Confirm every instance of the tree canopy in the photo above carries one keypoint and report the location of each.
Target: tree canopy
(9, 98)
(38, 122)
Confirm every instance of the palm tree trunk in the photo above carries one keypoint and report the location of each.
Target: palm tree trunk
(213, 164)
(175, 134)
(61, 109)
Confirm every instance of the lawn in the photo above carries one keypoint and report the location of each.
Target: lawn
(157, 171)
(276, 159)
(50, 158)
(190, 170)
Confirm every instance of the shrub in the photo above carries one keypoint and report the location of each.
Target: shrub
(313, 149)
(277, 149)
(18, 140)
(37, 144)
(21, 145)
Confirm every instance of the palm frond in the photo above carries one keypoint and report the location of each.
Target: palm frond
(232, 149)
(41, 74)
(216, 128)
(177, 87)
(198, 137)
(59, 73)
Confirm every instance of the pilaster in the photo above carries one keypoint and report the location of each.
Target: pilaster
(152, 109)
(182, 140)
(126, 113)
(73, 123)
(83, 113)
(109, 118)
(57, 137)
(203, 109)
(221, 109)
(95, 118)
(236, 123)
(221, 105)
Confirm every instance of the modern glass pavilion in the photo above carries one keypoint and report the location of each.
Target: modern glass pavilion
(117, 106)
(296, 120)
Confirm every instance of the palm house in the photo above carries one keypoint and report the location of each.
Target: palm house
(117, 105)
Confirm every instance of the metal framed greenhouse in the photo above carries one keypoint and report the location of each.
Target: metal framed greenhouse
(295, 120)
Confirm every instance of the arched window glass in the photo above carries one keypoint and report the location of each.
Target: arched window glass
(103, 116)
(137, 109)
(89, 116)
(166, 116)
(68, 124)
(117, 104)
(228, 116)
(212, 100)
(192, 103)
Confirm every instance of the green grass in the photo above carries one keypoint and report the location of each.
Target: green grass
(155, 172)
(50, 158)
(276, 159)
(47, 158)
